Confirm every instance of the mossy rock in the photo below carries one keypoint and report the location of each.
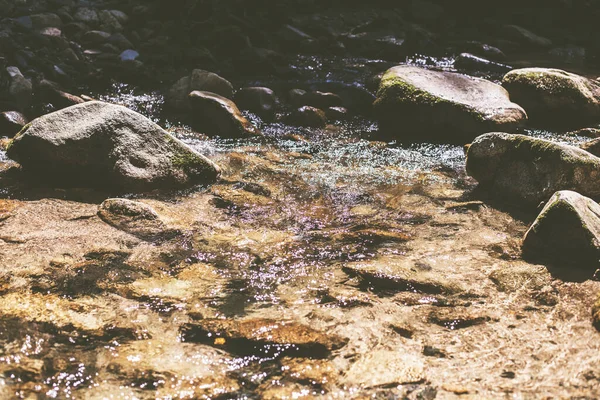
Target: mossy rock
(566, 231)
(98, 144)
(529, 170)
(417, 103)
(553, 97)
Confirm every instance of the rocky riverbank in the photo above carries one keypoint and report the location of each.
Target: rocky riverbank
(243, 200)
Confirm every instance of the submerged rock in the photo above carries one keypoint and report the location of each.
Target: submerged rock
(178, 96)
(553, 96)
(567, 230)
(257, 336)
(529, 170)
(399, 274)
(386, 368)
(100, 144)
(217, 115)
(416, 102)
(134, 217)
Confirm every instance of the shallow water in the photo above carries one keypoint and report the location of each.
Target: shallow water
(382, 244)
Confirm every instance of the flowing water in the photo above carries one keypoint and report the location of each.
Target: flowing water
(323, 264)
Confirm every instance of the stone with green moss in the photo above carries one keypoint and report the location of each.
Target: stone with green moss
(553, 97)
(566, 231)
(419, 103)
(527, 170)
(97, 144)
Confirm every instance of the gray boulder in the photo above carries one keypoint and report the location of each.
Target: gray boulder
(529, 170)
(215, 115)
(419, 103)
(104, 145)
(567, 230)
(553, 96)
(177, 97)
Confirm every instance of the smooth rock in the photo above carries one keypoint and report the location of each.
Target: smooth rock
(178, 96)
(120, 16)
(95, 37)
(120, 41)
(485, 50)
(129, 55)
(553, 96)
(11, 122)
(337, 114)
(525, 37)
(259, 100)
(109, 22)
(104, 145)
(419, 103)
(470, 62)
(566, 231)
(50, 92)
(398, 274)
(134, 217)
(322, 100)
(217, 115)
(530, 170)
(86, 15)
(296, 97)
(40, 21)
(307, 116)
(20, 89)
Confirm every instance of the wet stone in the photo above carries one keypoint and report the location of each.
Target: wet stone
(520, 276)
(456, 319)
(134, 217)
(263, 337)
(386, 368)
(399, 274)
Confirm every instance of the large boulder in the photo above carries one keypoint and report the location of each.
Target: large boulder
(216, 115)
(177, 97)
(105, 145)
(567, 231)
(554, 97)
(529, 170)
(419, 103)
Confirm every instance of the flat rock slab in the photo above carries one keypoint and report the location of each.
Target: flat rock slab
(419, 103)
(98, 144)
(263, 336)
(530, 170)
(566, 231)
(400, 274)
